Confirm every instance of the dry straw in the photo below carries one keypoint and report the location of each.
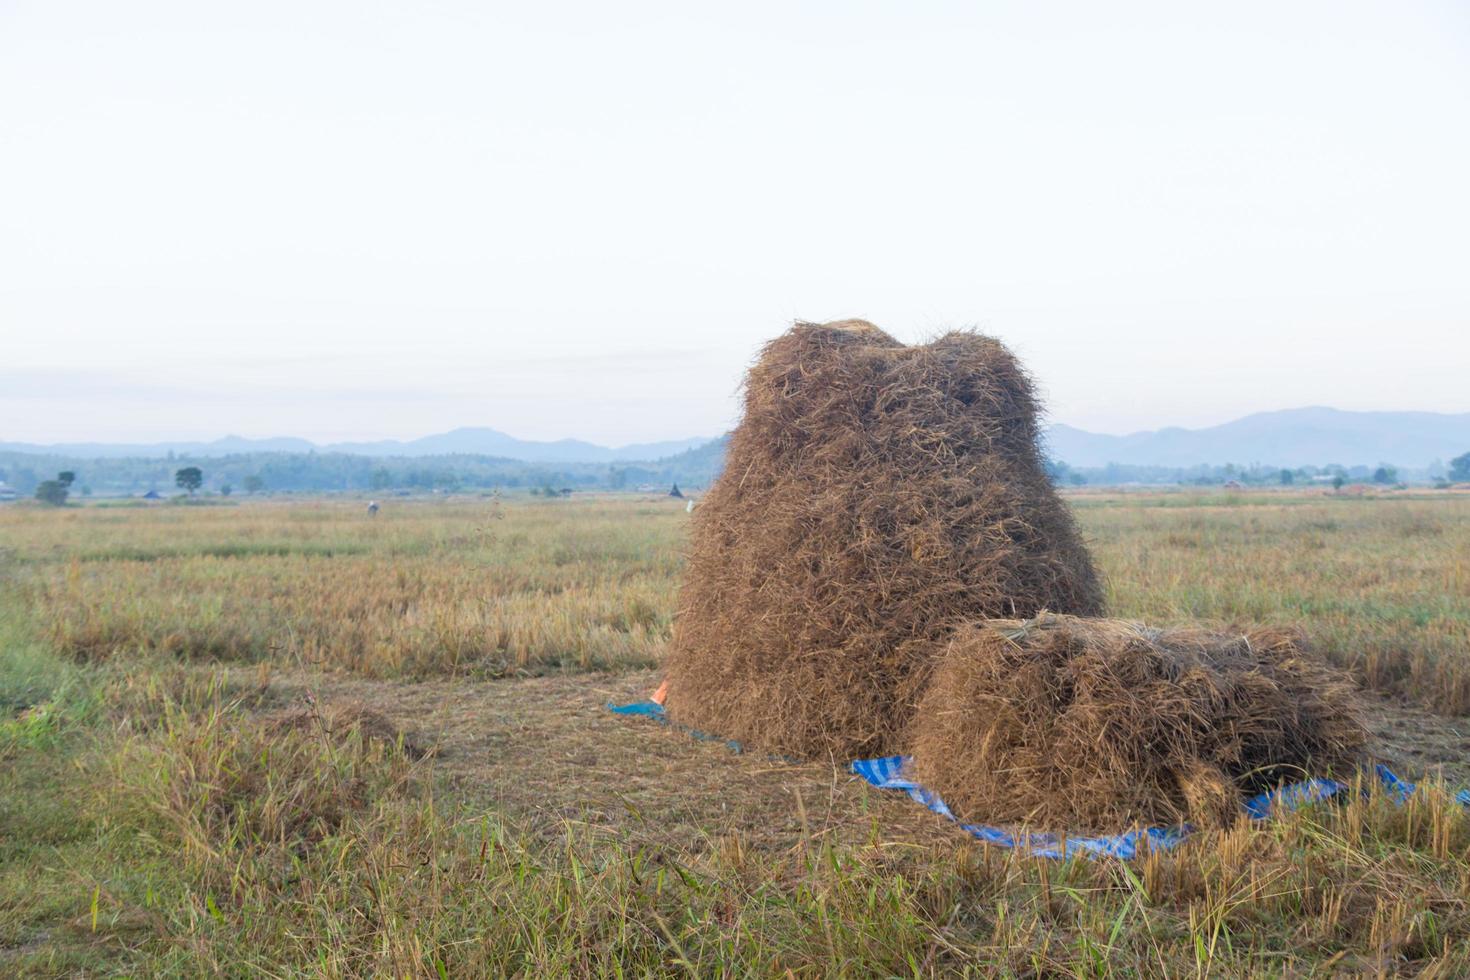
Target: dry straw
(875, 496)
(1095, 724)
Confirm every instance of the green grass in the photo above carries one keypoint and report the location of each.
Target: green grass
(203, 844)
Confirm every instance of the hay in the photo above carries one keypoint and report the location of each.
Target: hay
(874, 497)
(1094, 724)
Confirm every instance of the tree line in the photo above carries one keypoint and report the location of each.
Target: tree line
(326, 472)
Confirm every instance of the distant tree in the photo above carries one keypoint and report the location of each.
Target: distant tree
(1338, 481)
(1060, 473)
(189, 478)
(225, 489)
(381, 478)
(1460, 469)
(52, 492)
(86, 491)
(254, 484)
(66, 478)
(1287, 478)
(1385, 474)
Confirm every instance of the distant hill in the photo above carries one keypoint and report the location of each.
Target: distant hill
(227, 446)
(699, 466)
(1294, 437)
(471, 441)
(490, 442)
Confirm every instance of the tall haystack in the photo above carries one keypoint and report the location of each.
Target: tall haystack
(874, 497)
(1097, 724)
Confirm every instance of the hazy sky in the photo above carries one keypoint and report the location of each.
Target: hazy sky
(351, 219)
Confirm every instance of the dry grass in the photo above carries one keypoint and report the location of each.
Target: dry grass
(421, 590)
(1381, 586)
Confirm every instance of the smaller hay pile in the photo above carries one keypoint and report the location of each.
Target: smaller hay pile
(1097, 724)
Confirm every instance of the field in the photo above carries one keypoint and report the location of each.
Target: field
(282, 738)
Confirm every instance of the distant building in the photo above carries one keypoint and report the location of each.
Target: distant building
(7, 492)
(152, 495)
(675, 492)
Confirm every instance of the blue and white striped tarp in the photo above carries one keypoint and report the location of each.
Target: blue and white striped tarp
(1401, 790)
(887, 773)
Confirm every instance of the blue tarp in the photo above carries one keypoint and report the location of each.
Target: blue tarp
(651, 709)
(887, 773)
(654, 710)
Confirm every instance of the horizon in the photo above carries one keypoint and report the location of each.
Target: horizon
(418, 216)
(700, 439)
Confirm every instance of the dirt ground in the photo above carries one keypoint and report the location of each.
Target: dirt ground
(1415, 742)
(548, 753)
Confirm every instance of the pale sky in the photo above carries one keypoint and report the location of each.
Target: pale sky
(362, 220)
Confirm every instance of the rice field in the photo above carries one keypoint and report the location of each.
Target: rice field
(487, 589)
(419, 591)
(283, 738)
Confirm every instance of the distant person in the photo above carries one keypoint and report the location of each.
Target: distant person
(372, 508)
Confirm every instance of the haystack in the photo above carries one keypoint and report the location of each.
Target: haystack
(1097, 724)
(874, 497)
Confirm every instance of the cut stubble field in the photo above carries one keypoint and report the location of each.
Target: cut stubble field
(286, 737)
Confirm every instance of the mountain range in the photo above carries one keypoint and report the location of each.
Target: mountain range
(1293, 437)
(467, 441)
